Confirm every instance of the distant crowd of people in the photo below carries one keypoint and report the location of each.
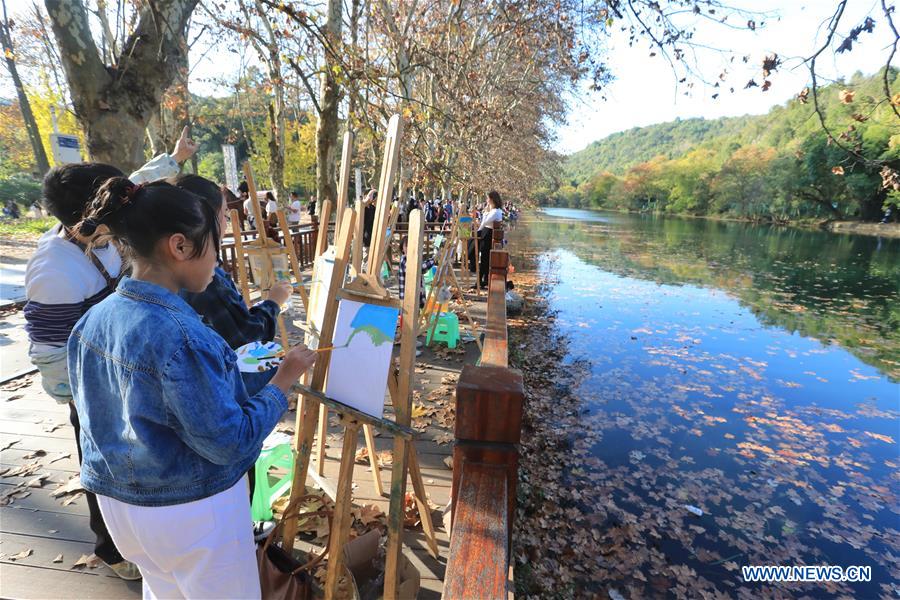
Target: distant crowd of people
(12, 211)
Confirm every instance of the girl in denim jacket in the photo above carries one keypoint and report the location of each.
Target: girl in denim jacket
(168, 429)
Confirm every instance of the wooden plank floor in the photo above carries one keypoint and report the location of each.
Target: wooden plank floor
(30, 421)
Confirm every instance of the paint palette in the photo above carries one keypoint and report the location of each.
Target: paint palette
(258, 356)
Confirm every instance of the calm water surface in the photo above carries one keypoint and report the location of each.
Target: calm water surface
(750, 371)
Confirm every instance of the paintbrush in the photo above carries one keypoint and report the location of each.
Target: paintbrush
(281, 354)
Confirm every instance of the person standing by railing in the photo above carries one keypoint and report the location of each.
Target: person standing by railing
(492, 214)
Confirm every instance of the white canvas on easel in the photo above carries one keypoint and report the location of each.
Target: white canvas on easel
(318, 294)
(361, 359)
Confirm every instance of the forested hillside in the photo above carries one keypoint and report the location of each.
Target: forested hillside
(620, 151)
(779, 166)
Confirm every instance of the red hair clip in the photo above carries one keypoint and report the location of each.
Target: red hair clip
(130, 192)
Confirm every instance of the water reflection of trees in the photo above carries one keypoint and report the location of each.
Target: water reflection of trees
(839, 288)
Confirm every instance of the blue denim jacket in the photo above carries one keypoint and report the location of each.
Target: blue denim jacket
(222, 307)
(165, 418)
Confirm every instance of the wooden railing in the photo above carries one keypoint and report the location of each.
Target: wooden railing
(432, 228)
(302, 236)
(489, 402)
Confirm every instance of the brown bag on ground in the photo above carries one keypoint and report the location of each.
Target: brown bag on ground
(281, 576)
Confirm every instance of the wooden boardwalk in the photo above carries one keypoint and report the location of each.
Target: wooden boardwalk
(32, 423)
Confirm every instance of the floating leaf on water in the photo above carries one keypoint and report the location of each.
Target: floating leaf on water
(614, 594)
(693, 510)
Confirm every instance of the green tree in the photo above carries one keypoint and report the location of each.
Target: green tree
(742, 184)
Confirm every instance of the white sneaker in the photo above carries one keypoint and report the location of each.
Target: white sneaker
(126, 570)
(262, 529)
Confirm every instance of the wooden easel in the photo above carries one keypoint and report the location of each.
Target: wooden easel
(445, 276)
(357, 239)
(477, 257)
(392, 223)
(321, 245)
(267, 249)
(366, 287)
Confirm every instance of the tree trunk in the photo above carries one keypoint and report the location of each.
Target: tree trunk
(34, 135)
(115, 103)
(276, 128)
(276, 152)
(354, 43)
(329, 100)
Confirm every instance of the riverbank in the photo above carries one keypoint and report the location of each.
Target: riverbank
(556, 527)
(886, 230)
(701, 398)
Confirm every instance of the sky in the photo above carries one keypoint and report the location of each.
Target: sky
(645, 90)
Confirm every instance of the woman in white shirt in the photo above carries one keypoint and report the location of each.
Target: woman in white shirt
(493, 214)
(271, 205)
(294, 208)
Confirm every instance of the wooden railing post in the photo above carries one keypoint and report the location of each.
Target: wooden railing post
(315, 230)
(497, 236)
(489, 404)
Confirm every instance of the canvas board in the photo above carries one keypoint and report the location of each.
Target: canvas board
(363, 345)
(323, 268)
(465, 228)
(231, 172)
(280, 269)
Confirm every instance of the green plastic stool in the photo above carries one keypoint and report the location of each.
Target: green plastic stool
(446, 330)
(264, 493)
(428, 279)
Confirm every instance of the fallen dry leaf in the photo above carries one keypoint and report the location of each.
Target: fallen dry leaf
(367, 513)
(13, 494)
(284, 428)
(20, 555)
(37, 481)
(10, 444)
(70, 487)
(444, 438)
(24, 470)
(73, 498)
(90, 561)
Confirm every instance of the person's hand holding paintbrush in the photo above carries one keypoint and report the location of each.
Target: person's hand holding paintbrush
(295, 362)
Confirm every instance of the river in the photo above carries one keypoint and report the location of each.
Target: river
(750, 372)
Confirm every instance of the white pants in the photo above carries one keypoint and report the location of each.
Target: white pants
(202, 549)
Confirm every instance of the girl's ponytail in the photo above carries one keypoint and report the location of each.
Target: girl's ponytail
(114, 195)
